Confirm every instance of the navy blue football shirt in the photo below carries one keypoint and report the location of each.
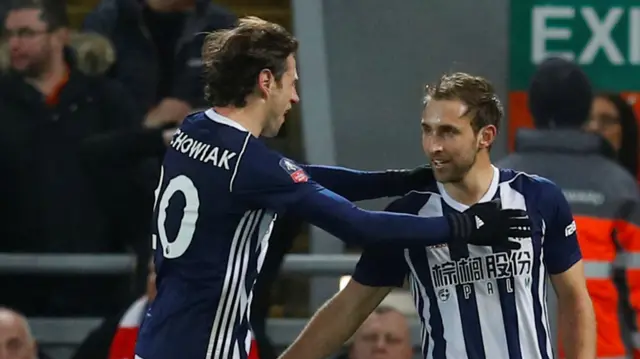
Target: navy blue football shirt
(219, 194)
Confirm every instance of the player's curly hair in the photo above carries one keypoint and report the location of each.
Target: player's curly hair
(474, 91)
(233, 59)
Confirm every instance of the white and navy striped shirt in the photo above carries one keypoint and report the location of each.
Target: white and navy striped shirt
(478, 302)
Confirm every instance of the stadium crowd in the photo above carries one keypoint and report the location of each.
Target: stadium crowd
(87, 115)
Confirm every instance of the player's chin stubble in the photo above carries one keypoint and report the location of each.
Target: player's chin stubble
(455, 173)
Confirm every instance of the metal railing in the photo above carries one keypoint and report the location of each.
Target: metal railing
(72, 331)
(311, 264)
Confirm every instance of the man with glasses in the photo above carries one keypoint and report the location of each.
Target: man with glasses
(64, 179)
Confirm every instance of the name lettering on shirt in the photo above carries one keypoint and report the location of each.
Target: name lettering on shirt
(201, 151)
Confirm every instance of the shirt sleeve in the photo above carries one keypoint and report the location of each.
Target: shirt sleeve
(265, 179)
(357, 185)
(561, 249)
(382, 266)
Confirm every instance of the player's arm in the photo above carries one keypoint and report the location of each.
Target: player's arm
(264, 179)
(341, 218)
(564, 262)
(628, 235)
(376, 274)
(357, 185)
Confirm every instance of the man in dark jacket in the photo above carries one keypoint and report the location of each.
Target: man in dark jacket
(68, 182)
(158, 51)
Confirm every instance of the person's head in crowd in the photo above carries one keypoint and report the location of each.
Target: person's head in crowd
(151, 282)
(560, 95)
(168, 6)
(37, 32)
(384, 335)
(16, 340)
(613, 118)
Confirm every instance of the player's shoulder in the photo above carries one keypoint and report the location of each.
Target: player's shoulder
(529, 185)
(209, 127)
(251, 158)
(205, 138)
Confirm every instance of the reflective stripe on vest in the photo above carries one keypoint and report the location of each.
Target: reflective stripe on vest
(594, 269)
(628, 260)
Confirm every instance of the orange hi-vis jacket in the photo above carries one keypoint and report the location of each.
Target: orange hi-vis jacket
(605, 202)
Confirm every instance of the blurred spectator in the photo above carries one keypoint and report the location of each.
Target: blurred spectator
(94, 53)
(158, 48)
(69, 181)
(116, 337)
(16, 340)
(384, 335)
(614, 119)
(604, 197)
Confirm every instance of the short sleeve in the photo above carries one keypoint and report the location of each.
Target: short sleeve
(379, 267)
(382, 266)
(267, 179)
(560, 248)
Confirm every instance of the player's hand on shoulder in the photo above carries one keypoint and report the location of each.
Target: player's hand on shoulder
(487, 224)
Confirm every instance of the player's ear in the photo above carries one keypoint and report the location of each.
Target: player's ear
(265, 81)
(486, 136)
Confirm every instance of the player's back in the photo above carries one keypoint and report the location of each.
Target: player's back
(209, 246)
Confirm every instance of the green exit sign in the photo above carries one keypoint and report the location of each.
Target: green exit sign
(602, 36)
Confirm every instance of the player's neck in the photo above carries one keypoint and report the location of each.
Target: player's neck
(244, 116)
(474, 185)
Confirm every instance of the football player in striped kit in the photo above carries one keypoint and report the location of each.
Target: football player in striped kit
(473, 302)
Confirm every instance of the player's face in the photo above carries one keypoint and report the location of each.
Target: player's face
(31, 44)
(282, 96)
(382, 336)
(449, 140)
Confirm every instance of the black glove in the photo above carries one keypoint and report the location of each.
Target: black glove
(486, 224)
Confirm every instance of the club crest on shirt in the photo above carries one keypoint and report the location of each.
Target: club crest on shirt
(297, 174)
